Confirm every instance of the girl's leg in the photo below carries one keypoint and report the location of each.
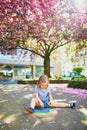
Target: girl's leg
(34, 102)
(59, 105)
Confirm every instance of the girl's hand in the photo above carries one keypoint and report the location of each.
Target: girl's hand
(50, 104)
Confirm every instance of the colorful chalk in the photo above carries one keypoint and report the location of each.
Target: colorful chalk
(43, 112)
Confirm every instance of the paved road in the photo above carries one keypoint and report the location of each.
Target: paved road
(14, 97)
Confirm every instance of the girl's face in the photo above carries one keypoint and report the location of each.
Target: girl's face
(43, 85)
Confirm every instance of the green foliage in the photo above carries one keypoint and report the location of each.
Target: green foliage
(80, 79)
(58, 77)
(34, 81)
(78, 69)
(77, 84)
(1, 74)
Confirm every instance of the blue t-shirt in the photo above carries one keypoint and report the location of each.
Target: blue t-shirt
(43, 95)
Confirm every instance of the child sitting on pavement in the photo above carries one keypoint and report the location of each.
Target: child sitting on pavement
(43, 97)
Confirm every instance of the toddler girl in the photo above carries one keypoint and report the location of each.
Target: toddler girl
(43, 97)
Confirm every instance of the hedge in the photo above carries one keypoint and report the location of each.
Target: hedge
(35, 81)
(71, 83)
(77, 84)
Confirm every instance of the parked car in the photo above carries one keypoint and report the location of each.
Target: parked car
(76, 75)
(73, 75)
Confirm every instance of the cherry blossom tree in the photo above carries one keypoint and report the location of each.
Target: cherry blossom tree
(41, 26)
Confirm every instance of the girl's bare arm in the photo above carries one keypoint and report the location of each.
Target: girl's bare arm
(50, 98)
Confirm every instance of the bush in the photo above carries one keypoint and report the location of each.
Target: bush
(35, 81)
(78, 84)
(1, 74)
(58, 77)
(78, 69)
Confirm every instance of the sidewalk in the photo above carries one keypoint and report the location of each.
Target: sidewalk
(14, 97)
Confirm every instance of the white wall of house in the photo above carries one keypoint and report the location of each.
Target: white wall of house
(64, 65)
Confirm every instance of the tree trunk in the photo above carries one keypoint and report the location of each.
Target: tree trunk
(47, 65)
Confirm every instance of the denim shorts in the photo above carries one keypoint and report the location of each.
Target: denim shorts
(45, 104)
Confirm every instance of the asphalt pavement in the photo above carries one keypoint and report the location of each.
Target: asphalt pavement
(14, 97)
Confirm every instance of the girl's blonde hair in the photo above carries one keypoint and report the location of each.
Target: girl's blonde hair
(43, 79)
